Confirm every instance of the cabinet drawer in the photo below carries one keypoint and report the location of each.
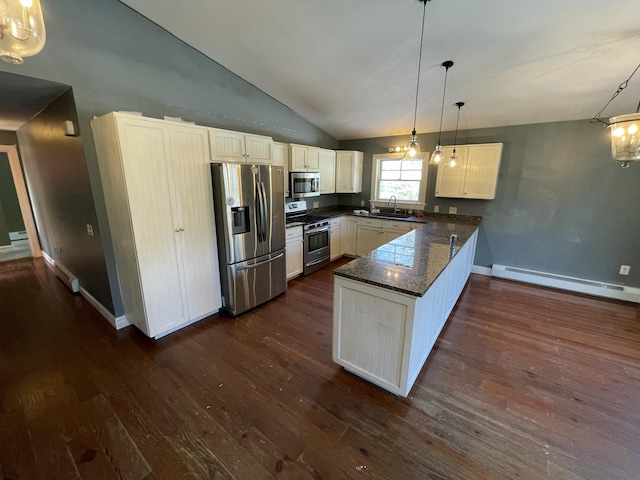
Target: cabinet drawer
(396, 225)
(336, 222)
(370, 222)
(294, 232)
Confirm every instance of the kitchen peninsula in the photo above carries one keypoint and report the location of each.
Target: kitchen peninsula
(391, 304)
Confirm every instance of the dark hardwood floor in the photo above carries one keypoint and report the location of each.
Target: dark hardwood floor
(524, 382)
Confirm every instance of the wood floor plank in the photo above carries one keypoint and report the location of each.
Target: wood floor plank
(524, 382)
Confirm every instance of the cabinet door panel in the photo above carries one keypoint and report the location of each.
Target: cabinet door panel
(483, 164)
(258, 149)
(327, 171)
(146, 162)
(450, 181)
(349, 229)
(199, 256)
(369, 238)
(226, 146)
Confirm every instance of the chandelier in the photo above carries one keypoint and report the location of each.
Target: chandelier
(625, 130)
(22, 32)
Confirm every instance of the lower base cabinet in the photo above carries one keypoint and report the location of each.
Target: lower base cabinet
(385, 336)
(295, 251)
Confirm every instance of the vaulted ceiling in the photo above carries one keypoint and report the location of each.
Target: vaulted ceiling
(350, 67)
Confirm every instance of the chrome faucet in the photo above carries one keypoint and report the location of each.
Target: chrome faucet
(395, 203)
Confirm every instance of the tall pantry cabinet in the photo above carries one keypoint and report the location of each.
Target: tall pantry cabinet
(157, 187)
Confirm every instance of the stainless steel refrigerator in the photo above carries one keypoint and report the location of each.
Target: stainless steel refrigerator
(250, 226)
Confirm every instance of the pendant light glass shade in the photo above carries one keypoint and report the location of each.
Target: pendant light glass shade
(438, 155)
(412, 150)
(452, 161)
(22, 32)
(625, 138)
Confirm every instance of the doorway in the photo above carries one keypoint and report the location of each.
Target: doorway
(23, 243)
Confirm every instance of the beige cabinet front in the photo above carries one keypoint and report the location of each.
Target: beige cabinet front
(476, 174)
(304, 158)
(349, 171)
(327, 162)
(229, 146)
(157, 188)
(295, 246)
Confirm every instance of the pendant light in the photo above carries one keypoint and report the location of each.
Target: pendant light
(438, 154)
(412, 150)
(453, 159)
(22, 32)
(625, 130)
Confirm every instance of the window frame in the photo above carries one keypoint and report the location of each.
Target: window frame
(375, 183)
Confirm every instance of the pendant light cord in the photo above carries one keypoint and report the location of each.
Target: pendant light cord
(415, 111)
(444, 92)
(621, 87)
(455, 138)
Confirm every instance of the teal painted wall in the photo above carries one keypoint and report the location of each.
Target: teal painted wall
(562, 204)
(115, 59)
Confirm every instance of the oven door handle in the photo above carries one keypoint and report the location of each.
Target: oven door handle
(256, 265)
(315, 262)
(318, 230)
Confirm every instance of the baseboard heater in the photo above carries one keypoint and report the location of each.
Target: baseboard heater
(563, 282)
(68, 278)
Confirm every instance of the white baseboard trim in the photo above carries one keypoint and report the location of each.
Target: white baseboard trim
(486, 271)
(562, 282)
(116, 322)
(50, 261)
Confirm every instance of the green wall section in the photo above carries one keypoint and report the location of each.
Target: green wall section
(9, 197)
(562, 205)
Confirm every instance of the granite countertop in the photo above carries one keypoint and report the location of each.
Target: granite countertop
(412, 262)
(426, 217)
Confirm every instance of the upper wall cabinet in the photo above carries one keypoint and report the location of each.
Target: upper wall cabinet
(327, 160)
(228, 146)
(477, 173)
(280, 158)
(304, 158)
(348, 171)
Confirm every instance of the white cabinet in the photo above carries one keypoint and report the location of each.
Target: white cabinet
(157, 186)
(280, 157)
(477, 175)
(295, 246)
(303, 158)
(375, 232)
(370, 235)
(348, 171)
(327, 163)
(349, 235)
(228, 146)
(336, 242)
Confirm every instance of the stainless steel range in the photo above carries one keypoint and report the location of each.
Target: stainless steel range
(317, 231)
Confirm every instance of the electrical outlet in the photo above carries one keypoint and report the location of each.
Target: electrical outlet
(362, 203)
(436, 208)
(453, 209)
(57, 250)
(624, 269)
(316, 204)
(90, 229)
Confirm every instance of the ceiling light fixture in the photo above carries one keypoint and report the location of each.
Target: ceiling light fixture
(412, 150)
(625, 130)
(453, 159)
(22, 32)
(438, 155)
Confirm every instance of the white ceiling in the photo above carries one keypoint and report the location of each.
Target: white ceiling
(350, 66)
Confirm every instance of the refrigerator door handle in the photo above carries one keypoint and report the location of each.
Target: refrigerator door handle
(265, 220)
(259, 214)
(256, 265)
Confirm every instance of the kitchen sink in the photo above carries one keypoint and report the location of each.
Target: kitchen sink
(392, 215)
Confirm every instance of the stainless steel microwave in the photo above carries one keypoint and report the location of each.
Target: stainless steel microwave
(304, 184)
